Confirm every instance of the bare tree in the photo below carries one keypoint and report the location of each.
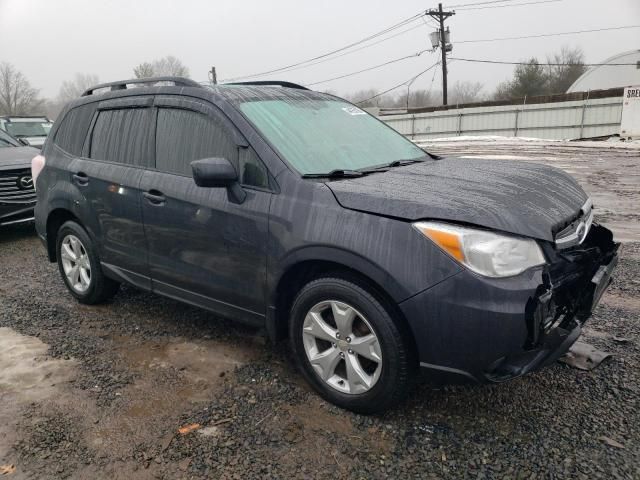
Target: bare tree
(69, 90)
(363, 98)
(561, 77)
(466, 92)
(17, 96)
(166, 66)
(144, 70)
(534, 78)
(417, 98)
(72, 89)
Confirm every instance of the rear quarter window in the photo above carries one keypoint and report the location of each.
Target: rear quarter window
(73, 129)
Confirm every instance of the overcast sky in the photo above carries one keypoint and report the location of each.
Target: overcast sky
(49, 41)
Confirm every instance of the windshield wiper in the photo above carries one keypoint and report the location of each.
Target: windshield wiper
(395, 163)
(399, 163)
(338, 173)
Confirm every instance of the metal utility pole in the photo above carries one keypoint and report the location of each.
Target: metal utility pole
(214, 77)
(445, 45)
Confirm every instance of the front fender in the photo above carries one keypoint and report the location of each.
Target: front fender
(343, 257)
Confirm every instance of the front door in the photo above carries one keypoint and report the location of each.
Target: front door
(205, 248)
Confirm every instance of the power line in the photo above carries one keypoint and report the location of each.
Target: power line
(399, 85)
(499, 62)
(327, 54)
(370, 68)
(480, 3)
(355, 50)
(547, 34)
(510, 5)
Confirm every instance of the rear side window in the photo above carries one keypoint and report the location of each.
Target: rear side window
(123, 136)
(183, 136)
(73, 129)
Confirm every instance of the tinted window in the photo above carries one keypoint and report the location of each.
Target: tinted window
(73, 129)
(252, 170)
(183, 136)
(122, 136)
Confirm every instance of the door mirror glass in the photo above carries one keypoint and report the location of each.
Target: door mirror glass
(214, 172)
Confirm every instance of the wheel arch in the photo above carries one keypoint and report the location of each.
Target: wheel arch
(56, 218)
(351, 267)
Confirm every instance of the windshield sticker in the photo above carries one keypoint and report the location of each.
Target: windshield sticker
(354, 111)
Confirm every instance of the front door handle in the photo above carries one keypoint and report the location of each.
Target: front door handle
(154, 197)
(81, 179)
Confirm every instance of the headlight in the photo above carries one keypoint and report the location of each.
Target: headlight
(487, 253)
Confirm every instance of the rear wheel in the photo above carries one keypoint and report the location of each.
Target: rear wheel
(349, 347)
(80, 267)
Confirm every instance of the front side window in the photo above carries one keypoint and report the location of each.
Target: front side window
(183, 136)
(123, 136)
(320, 135)
(251, 169)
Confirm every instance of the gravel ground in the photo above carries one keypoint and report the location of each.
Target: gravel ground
(101, 392)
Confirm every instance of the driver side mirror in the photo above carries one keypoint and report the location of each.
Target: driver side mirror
(218, 173)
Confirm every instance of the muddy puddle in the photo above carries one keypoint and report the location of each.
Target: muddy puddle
(27, 376)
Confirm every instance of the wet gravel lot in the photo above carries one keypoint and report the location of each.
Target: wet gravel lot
(102, 392)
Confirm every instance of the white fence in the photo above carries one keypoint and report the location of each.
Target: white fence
(559, 120)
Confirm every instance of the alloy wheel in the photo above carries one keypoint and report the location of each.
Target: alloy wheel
(342, 347)
(75, 263)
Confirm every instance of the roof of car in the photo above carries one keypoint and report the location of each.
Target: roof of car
(232, 92)
(24, 117)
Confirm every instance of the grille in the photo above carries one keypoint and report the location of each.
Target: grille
(576, 232)
(16, 187)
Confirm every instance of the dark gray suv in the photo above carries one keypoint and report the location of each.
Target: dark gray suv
(296, 211)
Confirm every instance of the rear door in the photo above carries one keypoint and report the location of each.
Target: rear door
(118, 149)
(204, 248)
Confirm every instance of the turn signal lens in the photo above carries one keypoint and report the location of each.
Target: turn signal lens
(449, 242)
(485, 252)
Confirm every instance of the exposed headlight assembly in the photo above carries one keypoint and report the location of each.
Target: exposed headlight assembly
(487, 253)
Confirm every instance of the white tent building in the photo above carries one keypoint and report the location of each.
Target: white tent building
(603, 76)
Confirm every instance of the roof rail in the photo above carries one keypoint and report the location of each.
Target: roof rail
(276, 83)
(122, 85)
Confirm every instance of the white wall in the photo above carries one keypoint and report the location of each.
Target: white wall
(560, 120)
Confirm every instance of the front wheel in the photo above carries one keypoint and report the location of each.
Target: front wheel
(80, 267)
(349, 347)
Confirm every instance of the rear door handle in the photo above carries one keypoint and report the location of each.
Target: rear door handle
(81, 178)
(155, 197)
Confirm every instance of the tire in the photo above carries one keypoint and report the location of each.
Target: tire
(91, 288)
(385, 382)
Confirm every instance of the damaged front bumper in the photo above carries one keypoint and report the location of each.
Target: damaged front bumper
(492, 330)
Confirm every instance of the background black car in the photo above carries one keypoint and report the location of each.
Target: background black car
(17, 195)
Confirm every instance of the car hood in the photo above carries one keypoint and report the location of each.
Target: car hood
(521, 198)
(20, 157)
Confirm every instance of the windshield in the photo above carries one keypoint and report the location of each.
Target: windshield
(28, 129)
(319, 135)
(7, 141)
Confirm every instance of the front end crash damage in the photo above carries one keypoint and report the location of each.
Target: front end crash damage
(573, 283)
(492, 330)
